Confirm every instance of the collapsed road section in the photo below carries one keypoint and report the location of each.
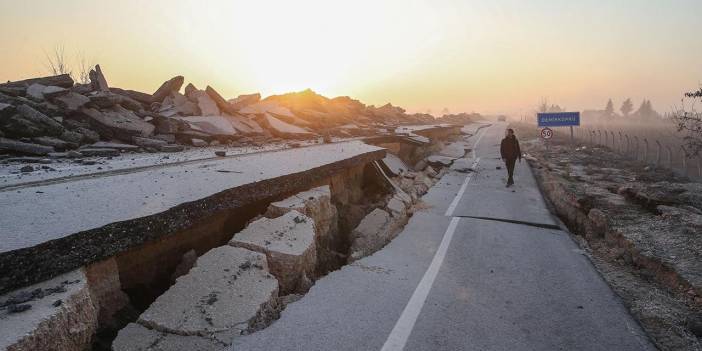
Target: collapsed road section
(110, 250)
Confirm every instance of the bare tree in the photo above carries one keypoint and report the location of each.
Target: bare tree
(56, 62)
(689, 121)
(83, 68)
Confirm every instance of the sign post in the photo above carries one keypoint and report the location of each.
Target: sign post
(559, 119)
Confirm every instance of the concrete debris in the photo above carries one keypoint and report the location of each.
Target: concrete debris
(198, 142)
(185, 265)
(136, 337)
(370, 235)
(31, 320)
(289, 243)
(62, 80)
(24, 148)
(242, 101)
(35, 91)
(283, 129)
(223, 105)
(118, 122)
(225, 290)
(71, 101)
(207, 106)
(97, 79)
(168, 87)
(212, 125)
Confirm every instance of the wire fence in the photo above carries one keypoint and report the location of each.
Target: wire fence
(655, 144)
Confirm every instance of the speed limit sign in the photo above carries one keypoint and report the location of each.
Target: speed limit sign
(546, 133)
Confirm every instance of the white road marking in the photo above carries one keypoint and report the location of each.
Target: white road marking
(403, 328)
(454, 203)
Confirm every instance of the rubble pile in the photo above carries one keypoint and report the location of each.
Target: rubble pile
(53, 117)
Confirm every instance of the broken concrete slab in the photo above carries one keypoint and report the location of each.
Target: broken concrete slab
(97, 80)
(58, 314)
(440, 161)
(148, 142)
(394, 165)
(223, 105)
(374, 232)
(56, 143)
(224, 292)
(267, 107)
(242, 101)
(49, 125)
(71, 101)
(35, 91)
(184, 106)
(33, 247)
(190, 90)
(61, 80)
(213, 125)
(101, 152)
(289, 243)
(167, 88)
(283, 129)
(51, 92)
(171, 148)
(314, 203)
(244, 125)
(207, 106)
(397, 206)
(118, 122)
(109, 145)
(198, 142)
(143, 98)
(136, 337)
(7, 110)
(24, 148)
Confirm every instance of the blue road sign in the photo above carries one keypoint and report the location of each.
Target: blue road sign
(558, 119)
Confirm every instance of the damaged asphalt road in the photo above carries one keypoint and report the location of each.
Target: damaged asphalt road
(453, 283)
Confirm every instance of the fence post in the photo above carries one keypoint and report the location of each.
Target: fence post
(658, 153)
(614, 146)
(670, 157)
(683, 154)
(628, 145)
(646, 150)
(599, 137)
(636, 148)
(621, 142)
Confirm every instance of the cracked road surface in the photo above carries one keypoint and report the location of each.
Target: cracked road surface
(482, 267)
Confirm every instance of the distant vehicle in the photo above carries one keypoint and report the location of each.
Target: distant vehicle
(501, 118)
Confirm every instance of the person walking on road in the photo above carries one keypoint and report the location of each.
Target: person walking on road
(510, 152)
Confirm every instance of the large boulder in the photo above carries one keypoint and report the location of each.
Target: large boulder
(219, 297)
(289, 244)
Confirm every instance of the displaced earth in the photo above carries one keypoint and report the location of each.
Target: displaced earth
(639, 224)
(179, 220)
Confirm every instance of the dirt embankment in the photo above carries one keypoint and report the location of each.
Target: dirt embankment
(641, 226)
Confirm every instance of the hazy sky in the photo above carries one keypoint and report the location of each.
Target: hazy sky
(484, 56)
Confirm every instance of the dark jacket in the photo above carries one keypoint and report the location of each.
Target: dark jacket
(509, 148)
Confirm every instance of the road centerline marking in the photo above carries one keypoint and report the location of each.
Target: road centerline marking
(403, 328)
(400, 333)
